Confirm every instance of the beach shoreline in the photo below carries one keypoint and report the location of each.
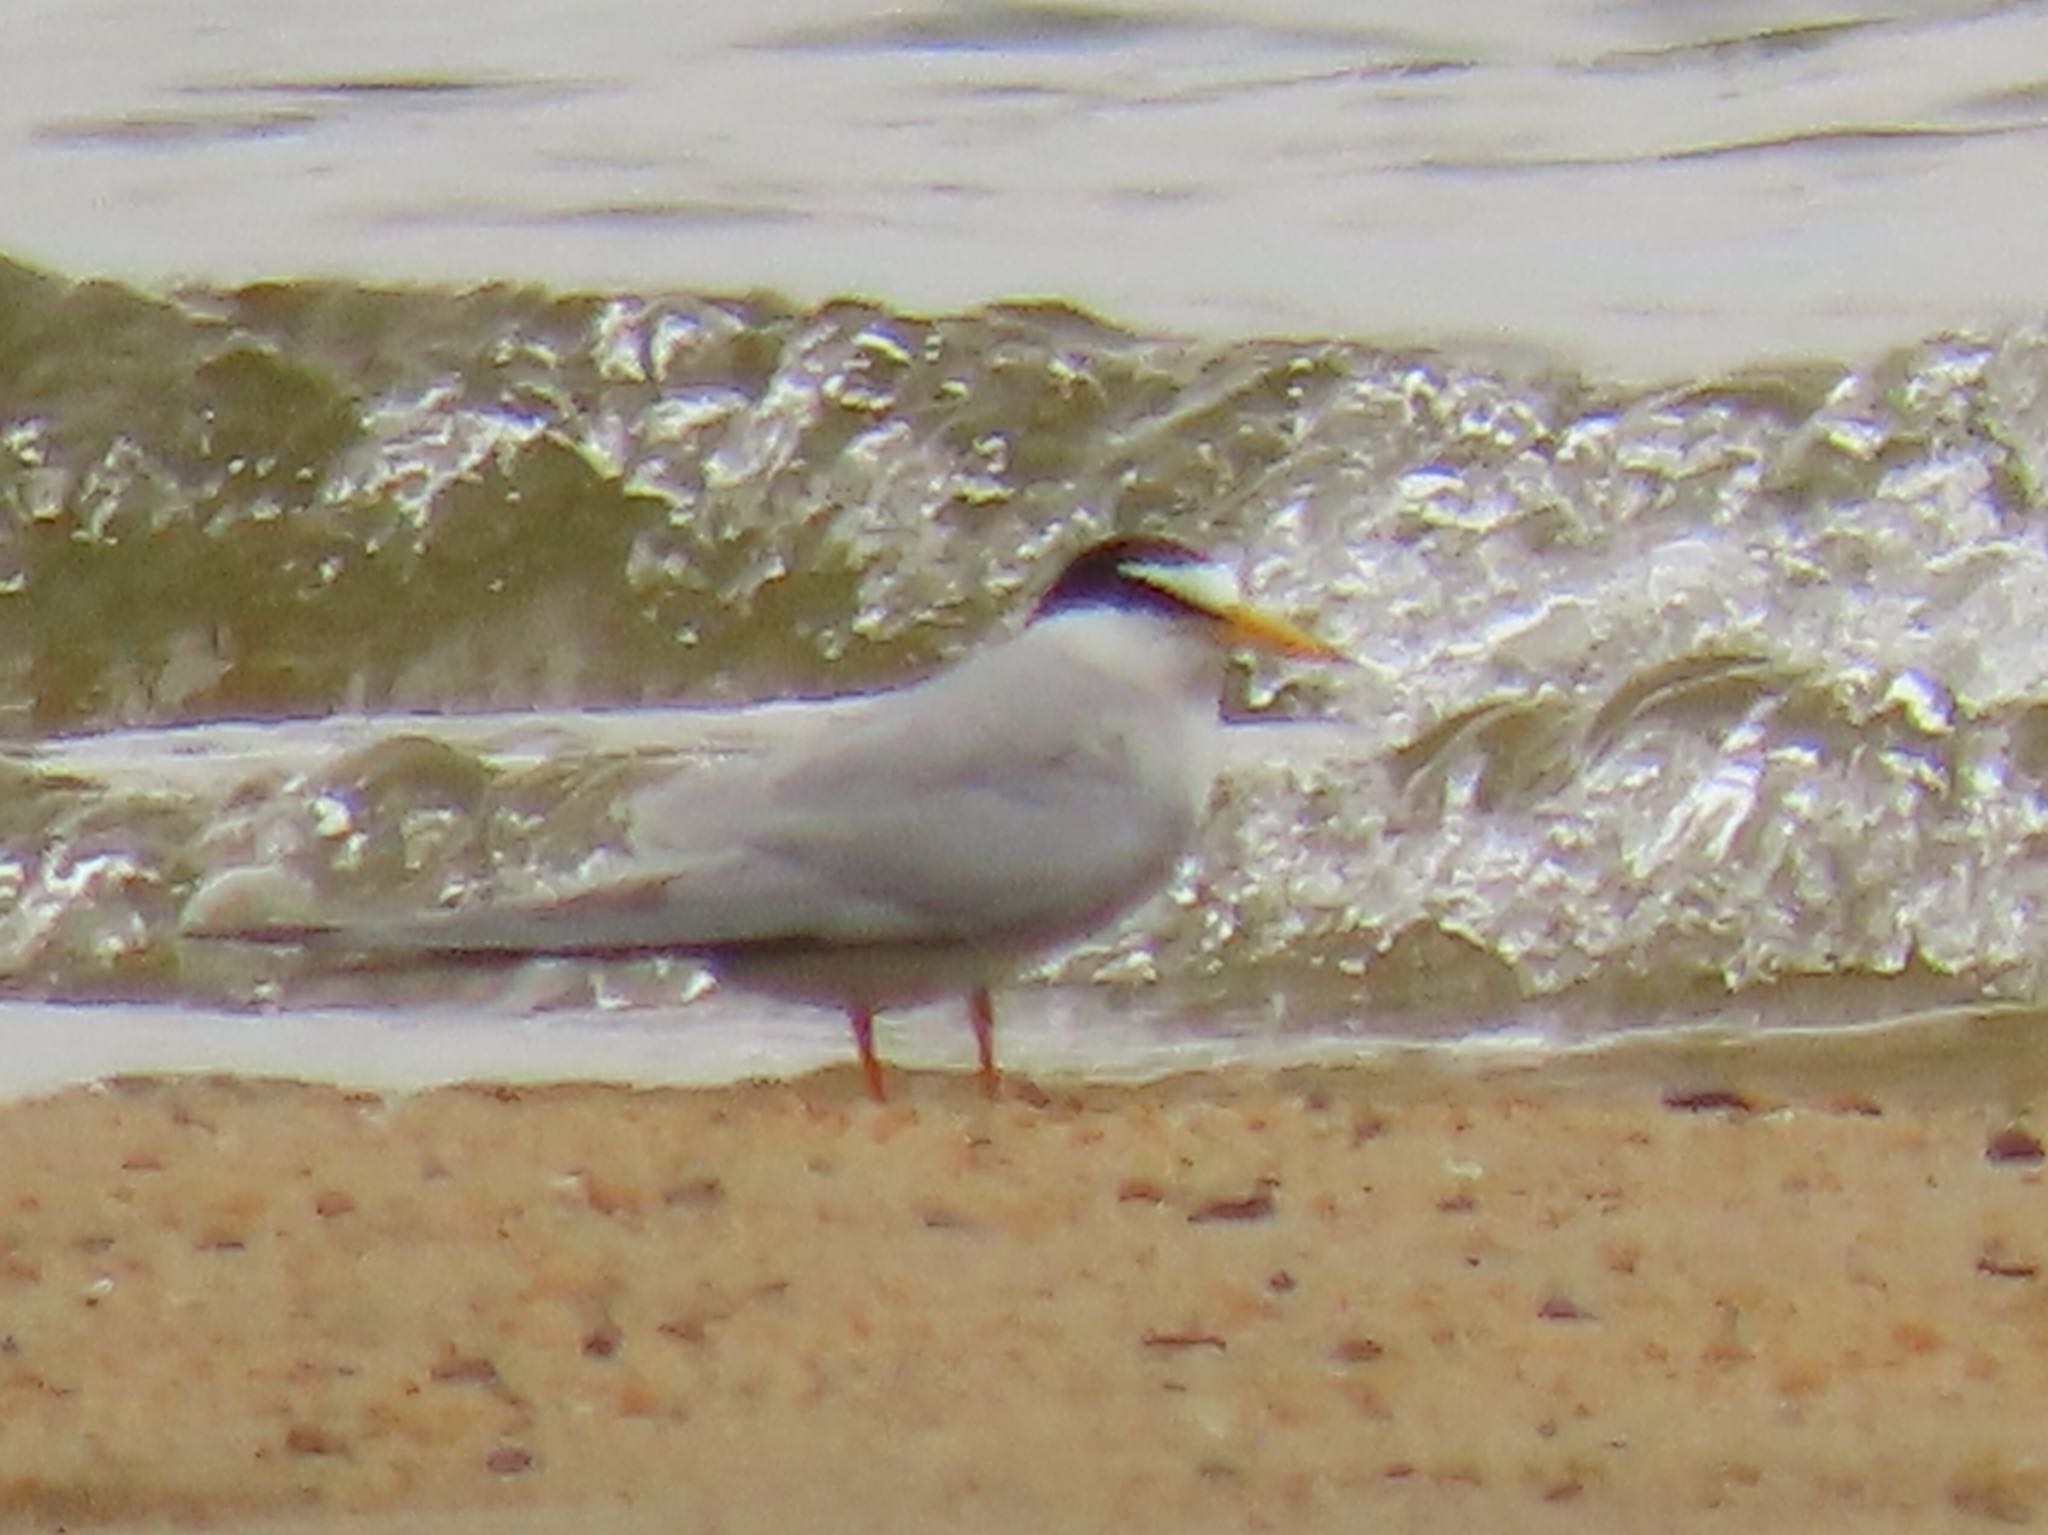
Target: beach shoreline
(1434, 1297)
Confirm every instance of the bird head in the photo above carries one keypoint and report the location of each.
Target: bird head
(1168, 578)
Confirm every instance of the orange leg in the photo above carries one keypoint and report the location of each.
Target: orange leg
(863, 1021)
(981, 1008)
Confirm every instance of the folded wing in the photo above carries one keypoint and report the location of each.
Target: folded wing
(989, 805)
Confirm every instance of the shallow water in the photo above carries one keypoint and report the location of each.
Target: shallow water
(1715, 700)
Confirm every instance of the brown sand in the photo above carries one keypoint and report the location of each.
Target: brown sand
(1390, 1299)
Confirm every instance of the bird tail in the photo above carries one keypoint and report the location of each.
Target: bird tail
(628, 921)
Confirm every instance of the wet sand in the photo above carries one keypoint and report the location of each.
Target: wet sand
(1683, 1291)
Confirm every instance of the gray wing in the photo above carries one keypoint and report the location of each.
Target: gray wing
(993, 803)
(693, 913)
(990, 803)
(1005, 797)
(709, 909)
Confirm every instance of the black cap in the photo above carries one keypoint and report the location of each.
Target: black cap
(1098, 577)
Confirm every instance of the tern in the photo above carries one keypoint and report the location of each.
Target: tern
(932, 841)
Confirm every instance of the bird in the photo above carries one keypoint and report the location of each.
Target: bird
(930, 842)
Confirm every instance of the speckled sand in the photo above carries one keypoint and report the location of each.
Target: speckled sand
(1341, 1300)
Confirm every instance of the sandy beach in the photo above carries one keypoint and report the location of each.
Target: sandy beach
(1668, 1290)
